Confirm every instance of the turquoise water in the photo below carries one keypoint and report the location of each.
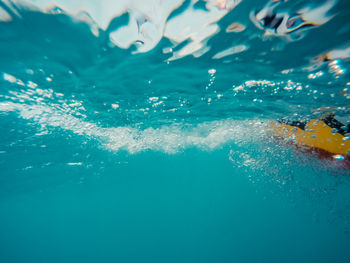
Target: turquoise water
(155, 151)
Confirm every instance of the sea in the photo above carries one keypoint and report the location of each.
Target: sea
(139, 131)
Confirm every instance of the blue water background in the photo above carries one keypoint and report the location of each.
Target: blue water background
(68, 193)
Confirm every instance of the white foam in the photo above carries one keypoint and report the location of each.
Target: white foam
(230, 51)
(75, 164)
(48, 109)
(148, 21)
(169, 139)
(175, 138)
(4, 16)
(9, 78)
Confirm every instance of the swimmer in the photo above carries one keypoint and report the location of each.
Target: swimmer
(325, 134)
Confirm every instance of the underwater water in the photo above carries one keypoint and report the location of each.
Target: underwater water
(139, 131)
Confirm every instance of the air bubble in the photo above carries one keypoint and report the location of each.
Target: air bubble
(338, 157)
